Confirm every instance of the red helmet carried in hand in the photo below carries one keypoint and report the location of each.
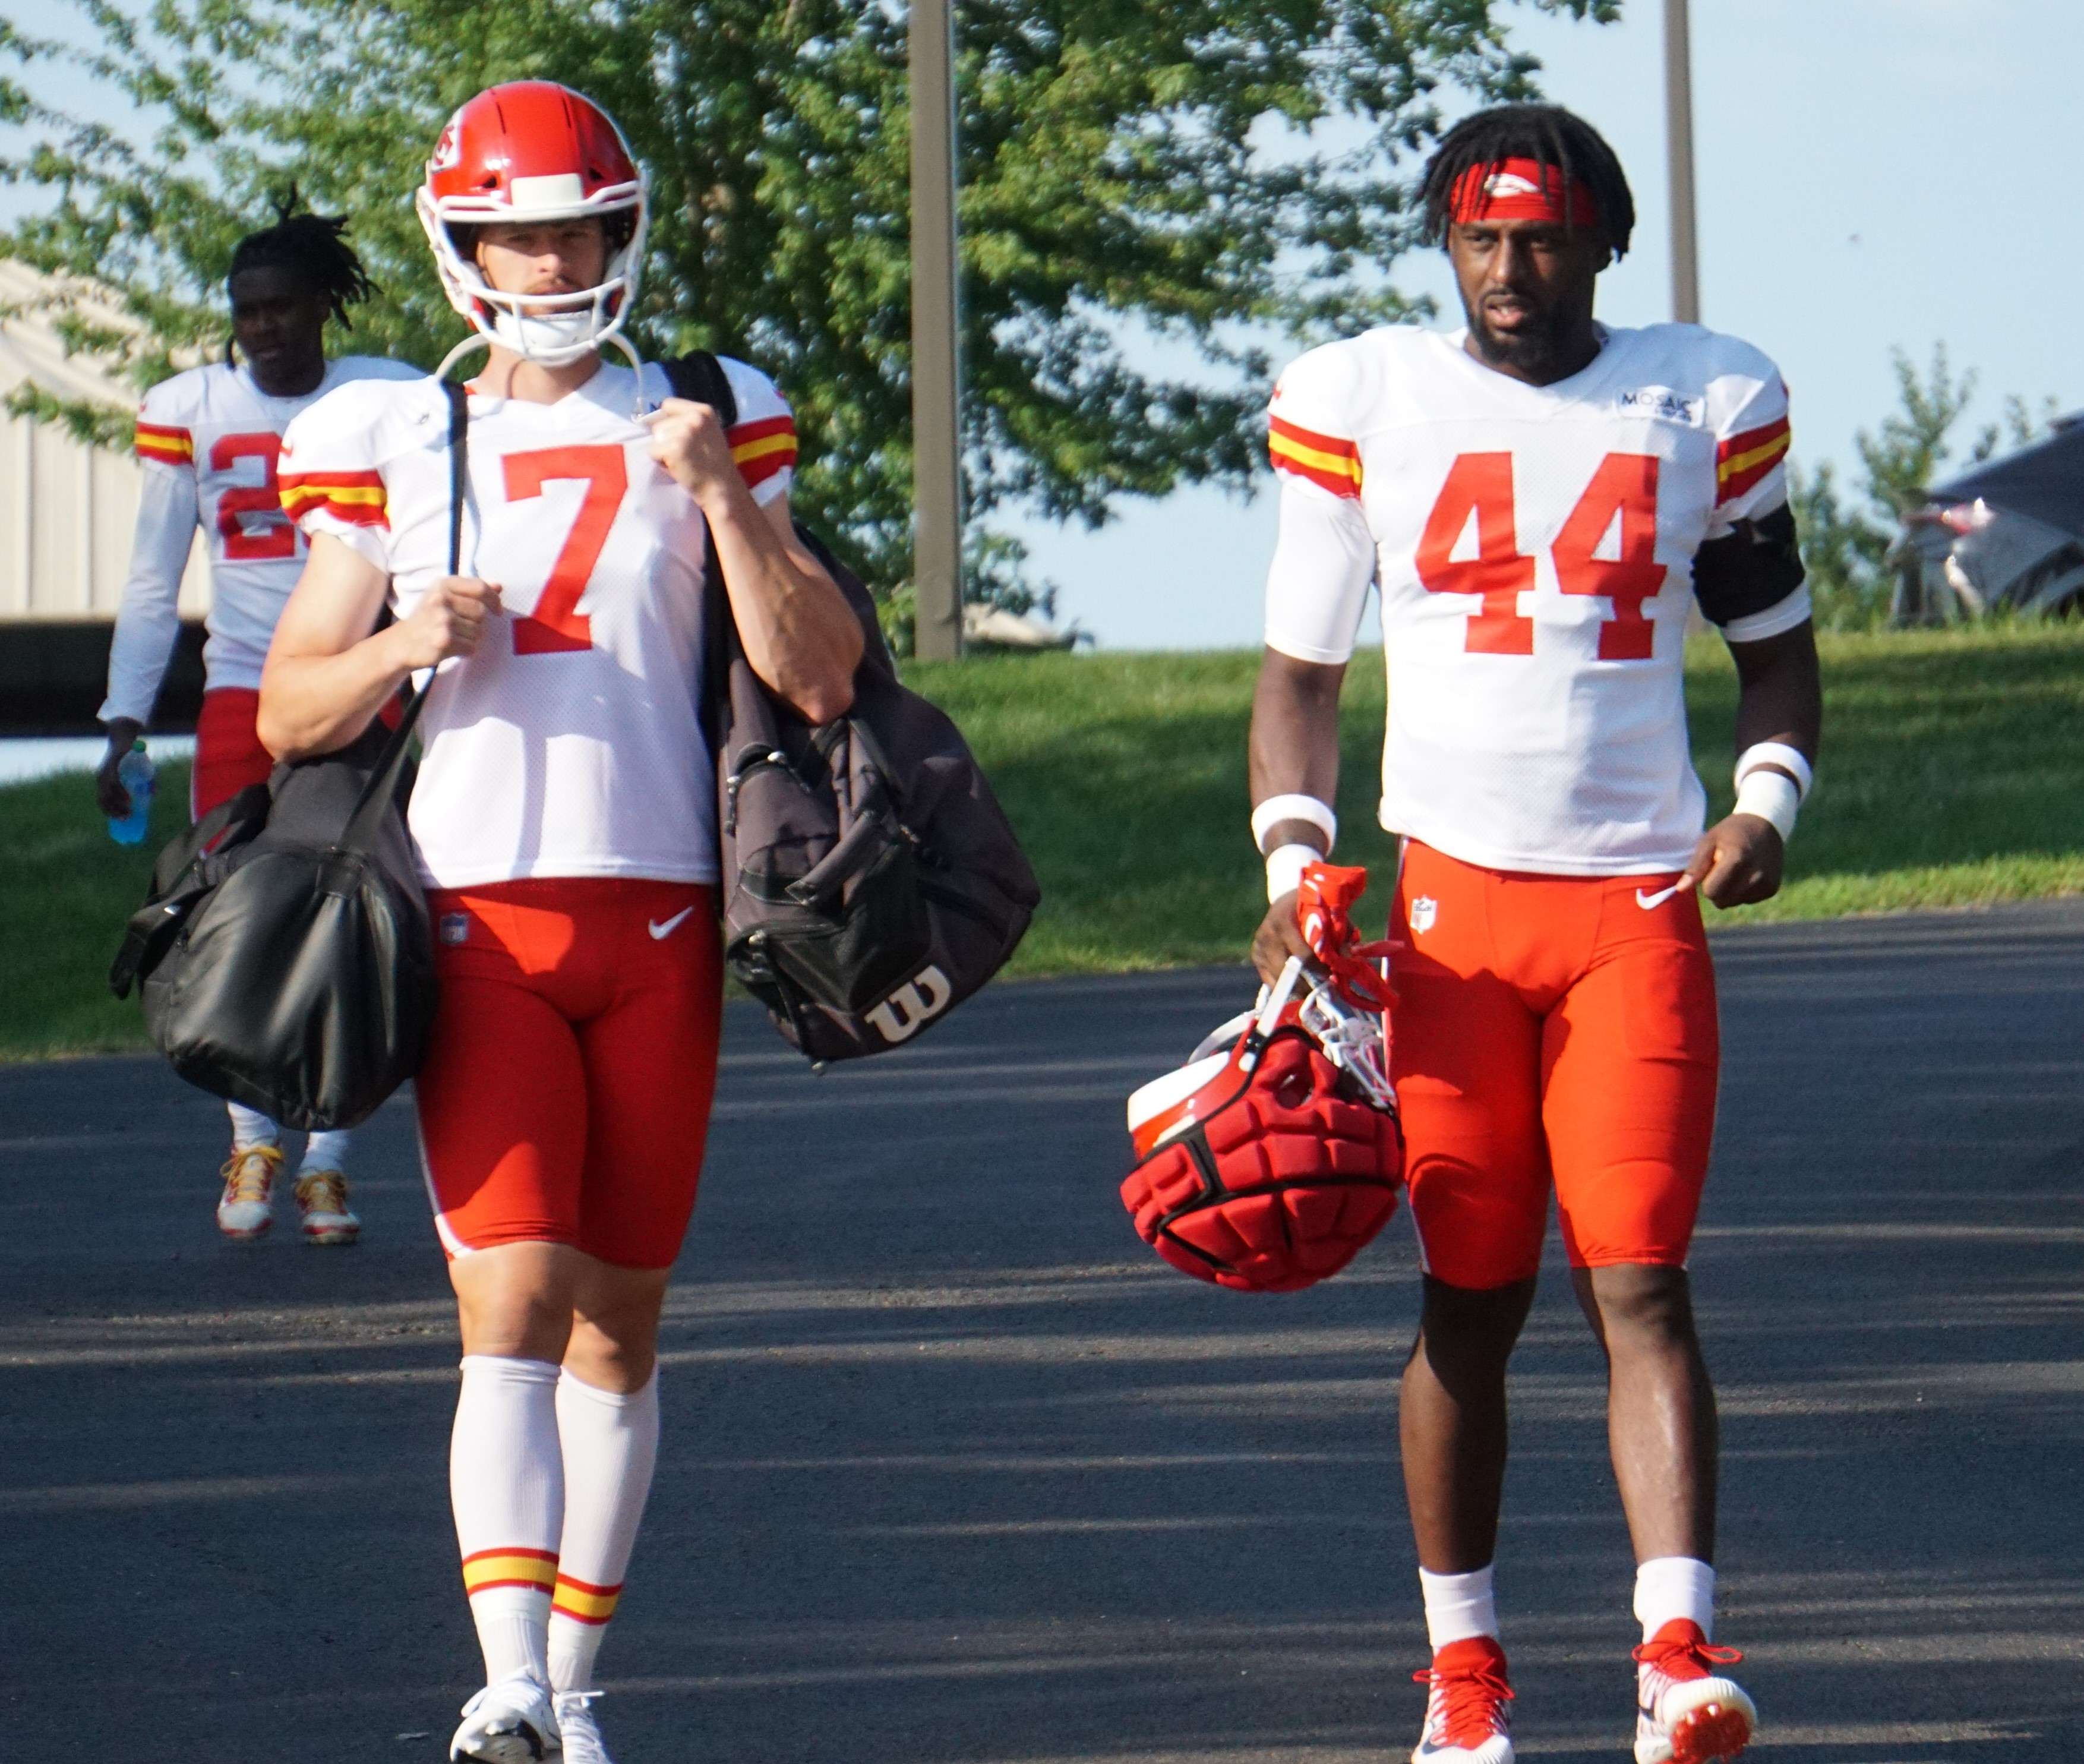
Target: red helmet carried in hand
(534, 151)
(1273, 1157)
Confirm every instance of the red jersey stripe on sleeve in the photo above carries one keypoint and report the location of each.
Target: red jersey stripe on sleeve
(1742, 460)
(763, 448)
(355, 498)
(1326, 460)
(168, 445)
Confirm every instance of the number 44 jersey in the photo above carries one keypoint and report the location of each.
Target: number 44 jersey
(568, 744)
(1535, 547)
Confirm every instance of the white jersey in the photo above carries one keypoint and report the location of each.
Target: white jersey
(1533, 546)
(570, 742)
(207, 439)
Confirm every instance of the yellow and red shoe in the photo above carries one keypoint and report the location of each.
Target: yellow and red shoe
(1686, 1712)
(247, 1208)
(1466, 1721)
(322, 1202)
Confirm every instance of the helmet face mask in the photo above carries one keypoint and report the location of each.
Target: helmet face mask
(532, 150)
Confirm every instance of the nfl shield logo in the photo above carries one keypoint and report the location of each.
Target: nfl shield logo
(1424, 910)
(454, 928)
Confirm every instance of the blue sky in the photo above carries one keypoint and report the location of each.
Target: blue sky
(1871, 174)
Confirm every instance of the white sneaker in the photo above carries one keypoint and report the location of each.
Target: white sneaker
(1466, 1721)
(247, 1207)
(1685, 1713)
(513, 1722)
(584, 1744)
(322, 1199)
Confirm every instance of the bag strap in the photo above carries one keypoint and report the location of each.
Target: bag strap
(379, 794)
(699, 377)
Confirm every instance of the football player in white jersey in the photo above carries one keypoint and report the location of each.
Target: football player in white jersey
(564, 825)
(207, 439)
(1542, 501)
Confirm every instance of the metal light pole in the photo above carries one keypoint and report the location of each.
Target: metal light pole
(936, 450)
(1679, 149)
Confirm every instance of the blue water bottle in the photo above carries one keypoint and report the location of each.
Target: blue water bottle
(134, 772)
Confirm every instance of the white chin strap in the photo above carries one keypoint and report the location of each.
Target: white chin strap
(551, 331)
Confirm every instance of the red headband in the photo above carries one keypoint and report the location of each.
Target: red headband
(1522, 189)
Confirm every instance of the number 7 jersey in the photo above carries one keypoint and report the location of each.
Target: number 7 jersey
(569, 743)
(1533, 547)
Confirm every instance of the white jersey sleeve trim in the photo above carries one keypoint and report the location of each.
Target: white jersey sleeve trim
(1756, 627)
(1317, 586)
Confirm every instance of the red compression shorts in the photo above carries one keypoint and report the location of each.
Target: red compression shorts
(1550, 1031)
(565, 1094)
(228, 753)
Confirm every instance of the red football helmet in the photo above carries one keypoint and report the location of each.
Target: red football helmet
(535, 151)
(1273, 1156)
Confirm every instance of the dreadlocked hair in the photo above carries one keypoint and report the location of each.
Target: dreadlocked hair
(1546, 132)
(312, 247)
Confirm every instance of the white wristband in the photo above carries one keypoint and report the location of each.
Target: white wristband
(1276, 809)
(1771, 796)
(1285, 865)
(1789, 759)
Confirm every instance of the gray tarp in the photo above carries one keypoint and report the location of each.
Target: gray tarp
(2045, 481)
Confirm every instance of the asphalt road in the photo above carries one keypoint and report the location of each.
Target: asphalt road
(955, 1470)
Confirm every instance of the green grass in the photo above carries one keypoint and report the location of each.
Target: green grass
(65, 890)
(1953, 776)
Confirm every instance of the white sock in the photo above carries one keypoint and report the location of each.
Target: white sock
(1669, 1587)
(327, 1151)
(250, 1127)
(506, 1483)
(1458, 1606)
(610, 1445)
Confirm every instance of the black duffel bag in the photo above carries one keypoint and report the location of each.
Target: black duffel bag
(283, 955)
(870, 880)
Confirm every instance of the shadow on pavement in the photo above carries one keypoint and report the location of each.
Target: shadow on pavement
(953, 1472)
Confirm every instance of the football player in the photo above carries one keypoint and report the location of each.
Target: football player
(1542, 502)
(208, 439)
(564, 825)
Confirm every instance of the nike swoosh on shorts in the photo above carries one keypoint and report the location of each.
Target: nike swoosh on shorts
(667, 929)
(1646, 901)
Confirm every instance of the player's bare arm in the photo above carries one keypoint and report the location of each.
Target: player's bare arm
(1740, 859)
(800, 635)
(1294, 751)
(329, 674)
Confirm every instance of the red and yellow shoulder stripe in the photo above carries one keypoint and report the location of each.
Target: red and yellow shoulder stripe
(162, 442)
(356, 497)
(1743, 460)
(490, 1568)
(763, 448)
(1327, 460)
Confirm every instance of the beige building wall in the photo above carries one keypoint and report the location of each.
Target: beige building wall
(66, 509)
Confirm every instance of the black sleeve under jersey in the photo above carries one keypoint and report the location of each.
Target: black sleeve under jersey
(1750, 569)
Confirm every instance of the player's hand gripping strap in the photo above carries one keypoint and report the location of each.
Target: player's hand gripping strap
(1272, 1166)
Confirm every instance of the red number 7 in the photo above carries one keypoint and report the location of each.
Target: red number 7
(557, 624)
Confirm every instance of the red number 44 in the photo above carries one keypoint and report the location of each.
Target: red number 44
(1624, 486)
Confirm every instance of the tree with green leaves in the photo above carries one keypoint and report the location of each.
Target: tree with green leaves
(1146, 192)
